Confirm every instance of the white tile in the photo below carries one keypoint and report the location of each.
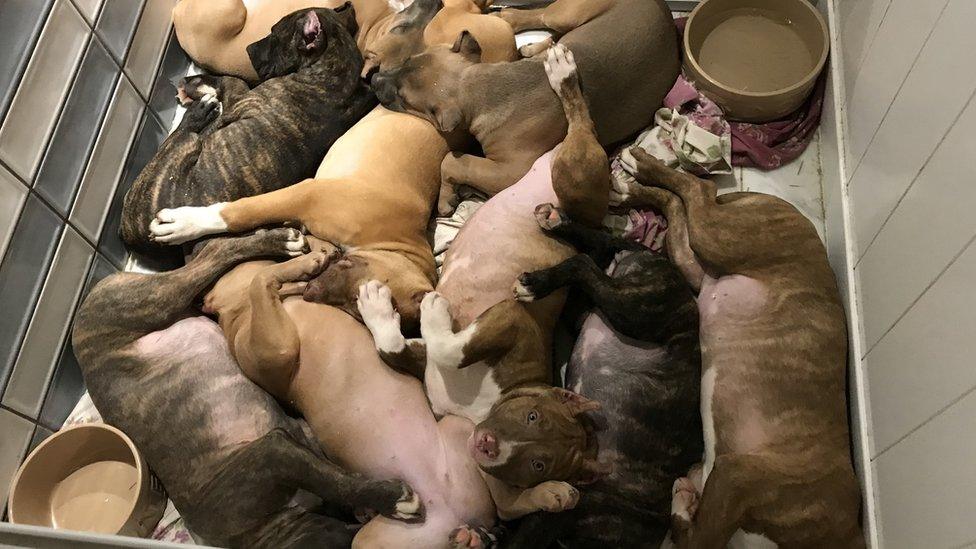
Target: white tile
(148, 44)
(932, 98)
(926, 360)
(15, 432)
(927, 483)
(49, 326)
(900, 38)
(12, 195)
(859, 22)
(107, 161)
(42, 90)
(798, 182)
(930, 226)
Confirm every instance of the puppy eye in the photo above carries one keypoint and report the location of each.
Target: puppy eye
(533, 416)
(538, 466)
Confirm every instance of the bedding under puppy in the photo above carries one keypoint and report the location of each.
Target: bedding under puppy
(235, 142)
(774, 354)
(628, 60)
(226, 452)
(638, 354)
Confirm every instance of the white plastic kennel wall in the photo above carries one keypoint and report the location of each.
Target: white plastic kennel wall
(896, 154)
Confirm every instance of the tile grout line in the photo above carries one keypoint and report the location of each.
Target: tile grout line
(908, 309)
(874, 36)
(908, 75)
(942, 410)
(5, 408)
(918, 174)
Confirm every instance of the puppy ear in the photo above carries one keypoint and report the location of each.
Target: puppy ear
(347, 15)
(576, 402)
(260, 55)
(448, 119)
(592, 471)
(468, 46)
(311, 30)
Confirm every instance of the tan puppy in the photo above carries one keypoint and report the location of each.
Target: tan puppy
(430, 22)
(372, 195)
(216, 33)
(774, 349)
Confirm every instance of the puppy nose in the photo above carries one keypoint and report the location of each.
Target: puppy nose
(489, 445)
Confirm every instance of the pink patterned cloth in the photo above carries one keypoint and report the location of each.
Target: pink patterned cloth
(772, 144)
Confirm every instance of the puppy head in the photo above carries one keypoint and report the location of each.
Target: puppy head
(428, 84)
(538, 434)
(302, 38)
(404, 39)
(338, 285)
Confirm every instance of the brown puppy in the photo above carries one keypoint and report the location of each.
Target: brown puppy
(628, 58)
(496, 371)
(216, 33)
(429, 22)
(774, 350)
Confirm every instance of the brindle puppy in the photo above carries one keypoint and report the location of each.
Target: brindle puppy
(234, 142)
(227, 454)
(638, 354)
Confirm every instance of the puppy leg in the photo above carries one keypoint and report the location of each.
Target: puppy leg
(268, 346)
(483, 174)
(227, 89)
(376, 307)
(276, 464)
(600, 245)
(127, 306)
(179, 225)
(736, 231)
(727, 497)
(503, 329)
(580, 169)
(678, 247)
(560, 17)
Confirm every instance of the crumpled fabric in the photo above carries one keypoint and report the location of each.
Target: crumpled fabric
(690, 133)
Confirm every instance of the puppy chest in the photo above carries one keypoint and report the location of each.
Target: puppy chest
(469, 392)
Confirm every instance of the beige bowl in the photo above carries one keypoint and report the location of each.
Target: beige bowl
(89, 478)
(757, 59)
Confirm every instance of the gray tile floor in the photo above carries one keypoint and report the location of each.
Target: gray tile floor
(77, 78)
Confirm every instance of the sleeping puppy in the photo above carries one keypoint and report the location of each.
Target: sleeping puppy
(235, 142)
(638, 354)
(628, 60)
(228, 455)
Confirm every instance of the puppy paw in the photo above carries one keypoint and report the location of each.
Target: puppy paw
(300, 269)
(684, 499)
(622, 190)
(409, 507)
(179, 225)
(375, 306)
(560, 67)
(199, 114)
(435, 316)
(555, 496)
(522, 290)
(468, 537)
(196, 87)
(281, 242)
(550, 217)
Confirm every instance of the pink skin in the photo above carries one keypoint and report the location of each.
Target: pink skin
(477, 276)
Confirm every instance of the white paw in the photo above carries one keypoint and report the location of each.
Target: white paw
(560, 65)
(210, 96)
(295, 244)
(555, 496)
(435, 316)
(409, 507)
(179, 225)
(521, 293)
(376, 308)
(621, 189)
(684, 498)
